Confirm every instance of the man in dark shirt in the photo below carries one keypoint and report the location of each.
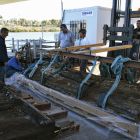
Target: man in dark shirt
(135, 51)
(137, 31)
(3, 52)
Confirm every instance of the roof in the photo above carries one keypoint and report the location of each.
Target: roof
(87, 8)
(9, 1)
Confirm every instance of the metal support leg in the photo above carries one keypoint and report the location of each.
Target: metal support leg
(35, 67)
(111, 91)
(48, 67)
(38, 62)
(86, 79)
(116, 67)
(30, 67)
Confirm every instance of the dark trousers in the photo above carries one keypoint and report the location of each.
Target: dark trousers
(2, 73)
(83, 65)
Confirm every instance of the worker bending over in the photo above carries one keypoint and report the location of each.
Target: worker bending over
(14, 65)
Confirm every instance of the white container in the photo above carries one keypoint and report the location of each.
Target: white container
(95, 18)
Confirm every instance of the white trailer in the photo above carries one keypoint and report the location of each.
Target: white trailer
(91, 18)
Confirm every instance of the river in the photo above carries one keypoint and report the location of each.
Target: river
(32, 35)
(48, 36)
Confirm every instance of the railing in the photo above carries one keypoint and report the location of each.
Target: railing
(15, 45)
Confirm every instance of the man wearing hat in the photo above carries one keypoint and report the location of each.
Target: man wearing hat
(66, 37)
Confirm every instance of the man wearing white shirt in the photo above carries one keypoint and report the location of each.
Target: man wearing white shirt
(66, 37)
(80, 42)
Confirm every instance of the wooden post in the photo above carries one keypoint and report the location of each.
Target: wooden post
(17, 44)
(13, 45)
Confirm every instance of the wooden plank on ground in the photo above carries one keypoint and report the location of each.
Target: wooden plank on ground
(108, 119)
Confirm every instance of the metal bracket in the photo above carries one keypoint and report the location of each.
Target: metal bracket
(86, 79)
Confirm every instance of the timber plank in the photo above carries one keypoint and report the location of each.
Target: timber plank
(42, 106)
(106, 49)
(56, 113)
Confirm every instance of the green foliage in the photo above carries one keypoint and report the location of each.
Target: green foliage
(23, 25)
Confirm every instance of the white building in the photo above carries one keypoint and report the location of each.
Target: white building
(91, 18)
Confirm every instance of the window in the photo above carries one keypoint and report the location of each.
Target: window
(75, 26)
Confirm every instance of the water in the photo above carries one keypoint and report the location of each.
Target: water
(48, 36)
(32, 35)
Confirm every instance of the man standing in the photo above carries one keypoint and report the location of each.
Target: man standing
(3, 52)
(66, 37)
(82, 38)
(135, 50)
(137, 31)
(81, 42)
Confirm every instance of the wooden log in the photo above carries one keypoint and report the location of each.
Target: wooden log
(106, 49)
(42, 106)
(56, 113)
(105, 118)
(132, 63)
(73, 48)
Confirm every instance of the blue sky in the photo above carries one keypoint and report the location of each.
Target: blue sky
(48, 9)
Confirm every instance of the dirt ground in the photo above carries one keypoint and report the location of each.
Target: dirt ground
(125, 101)
(15, 124)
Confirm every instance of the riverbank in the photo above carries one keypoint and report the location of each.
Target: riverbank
(49, 28)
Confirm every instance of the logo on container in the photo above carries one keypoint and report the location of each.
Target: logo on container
(87, 13)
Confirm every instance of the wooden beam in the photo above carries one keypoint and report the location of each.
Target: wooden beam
(131, 63)
(75, 48)
(93, 113)
(98, 49)
(106, 49)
